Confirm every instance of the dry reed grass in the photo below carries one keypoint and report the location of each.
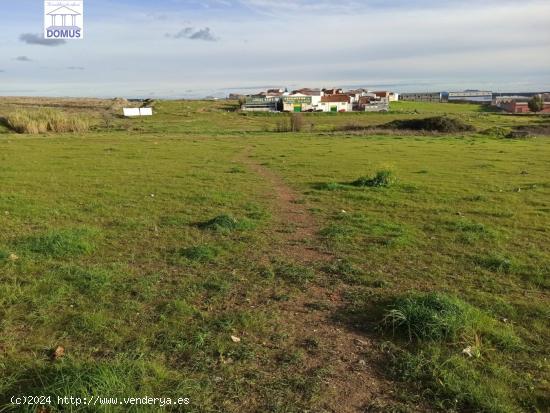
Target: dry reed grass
(46, 120)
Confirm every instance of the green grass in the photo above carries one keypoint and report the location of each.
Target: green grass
(60, 243)
(143, 247)
(201, 253)
(437, 317)
(226, 224)
(294, 273)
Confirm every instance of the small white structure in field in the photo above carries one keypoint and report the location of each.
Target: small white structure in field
(130, 112)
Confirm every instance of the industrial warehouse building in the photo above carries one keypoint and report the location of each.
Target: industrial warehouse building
(467, 96)
(474, 96)
(421, 97)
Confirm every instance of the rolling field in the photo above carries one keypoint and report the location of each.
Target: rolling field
(199, 254)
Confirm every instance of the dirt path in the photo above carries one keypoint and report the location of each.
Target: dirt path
(353, 385)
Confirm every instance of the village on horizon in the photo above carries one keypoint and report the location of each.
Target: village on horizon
(364, 100)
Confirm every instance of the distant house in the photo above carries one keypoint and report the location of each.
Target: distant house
(421, 97)
(373, 104)
(278, 92)
(383, 94)
(336, 103)
(315, 95)
(520, 106)
(334, 91)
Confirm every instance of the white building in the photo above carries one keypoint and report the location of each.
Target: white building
(336, 103)
(297, 102)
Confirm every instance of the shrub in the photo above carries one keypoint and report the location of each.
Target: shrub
(434, 124)
(283, 125)
(45, 120)
(383, 178)
(296, 122)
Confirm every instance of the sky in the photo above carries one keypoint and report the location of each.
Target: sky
(192, 48)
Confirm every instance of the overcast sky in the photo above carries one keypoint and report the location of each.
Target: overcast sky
(189, 48)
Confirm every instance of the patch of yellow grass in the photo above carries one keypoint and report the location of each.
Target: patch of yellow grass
(46, 120)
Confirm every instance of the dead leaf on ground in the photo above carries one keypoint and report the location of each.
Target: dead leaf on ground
(58, 353)
(235, 339)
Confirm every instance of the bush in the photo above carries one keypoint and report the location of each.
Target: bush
(434, 124)
(45, 120)
(296, 122)
(383, 178)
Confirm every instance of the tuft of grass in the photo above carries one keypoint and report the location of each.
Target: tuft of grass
(115, 378)
(46, 120)
(236, 170)
(470, 231)
(496, 263)
(200, 253)
(225, 224)
(427, 317)
(441, 318)
(328, 186)
(294, 273)
(346, 270)
(61, 243)
(4, 255)
(93, 280)
(455, 383)
(382, 179)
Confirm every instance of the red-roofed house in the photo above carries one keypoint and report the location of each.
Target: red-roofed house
(336, 103)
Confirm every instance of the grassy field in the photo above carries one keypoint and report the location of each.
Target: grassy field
(200, 254)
